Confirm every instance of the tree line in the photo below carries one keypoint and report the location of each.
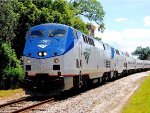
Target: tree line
(16, 16)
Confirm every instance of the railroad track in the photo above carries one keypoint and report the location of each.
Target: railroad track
(23, 104)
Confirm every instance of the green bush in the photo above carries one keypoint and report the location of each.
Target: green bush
(12, 78)
(11, 72)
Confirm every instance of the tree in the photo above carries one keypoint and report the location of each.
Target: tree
(8, 21)
(10, 69)
(77, 23)
(142, 53)
(42, 3)
(11, 72)
(92, 9)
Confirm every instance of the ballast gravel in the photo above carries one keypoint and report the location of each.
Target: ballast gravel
(108, 98)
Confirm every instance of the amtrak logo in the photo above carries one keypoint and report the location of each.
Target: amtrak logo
(43, 43)
(42, 46)
(86, 55)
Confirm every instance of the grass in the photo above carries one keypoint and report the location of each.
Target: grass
(140, 101)
(6, 93)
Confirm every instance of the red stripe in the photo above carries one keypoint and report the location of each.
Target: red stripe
(63, 75)
(52, 75)
(68, 75)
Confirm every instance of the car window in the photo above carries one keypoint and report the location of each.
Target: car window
(57, 33)
(36, 33)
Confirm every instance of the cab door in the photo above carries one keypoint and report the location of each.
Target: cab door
(79, 52)
(80, 55)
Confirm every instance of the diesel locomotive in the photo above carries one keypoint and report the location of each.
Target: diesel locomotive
(58, 57)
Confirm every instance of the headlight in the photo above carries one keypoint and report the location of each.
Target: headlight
(28, 61)
(40, 53)
(44, 53)
(56, 60)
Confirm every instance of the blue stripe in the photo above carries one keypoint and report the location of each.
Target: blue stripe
(69, 41)
(112, 52)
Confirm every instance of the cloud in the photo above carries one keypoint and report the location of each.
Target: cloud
(121, 19)
(147, 21)
(126, 40)
(134, 34)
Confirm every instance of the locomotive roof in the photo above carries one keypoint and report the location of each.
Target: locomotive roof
(49, 25)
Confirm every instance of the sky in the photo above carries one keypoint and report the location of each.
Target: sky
(127, 24)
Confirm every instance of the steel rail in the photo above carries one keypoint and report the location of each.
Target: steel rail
(32, 106)
(13, 101)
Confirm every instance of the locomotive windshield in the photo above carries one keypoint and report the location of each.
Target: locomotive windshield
(36, 34)
(57, 33)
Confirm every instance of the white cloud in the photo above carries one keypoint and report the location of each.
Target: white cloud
(134, 34)
(147, 21)
(126, 40)
(120, 19)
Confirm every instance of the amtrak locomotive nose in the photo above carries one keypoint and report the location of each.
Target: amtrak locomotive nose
(44, 49)
(45, 41)
(44, 56)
